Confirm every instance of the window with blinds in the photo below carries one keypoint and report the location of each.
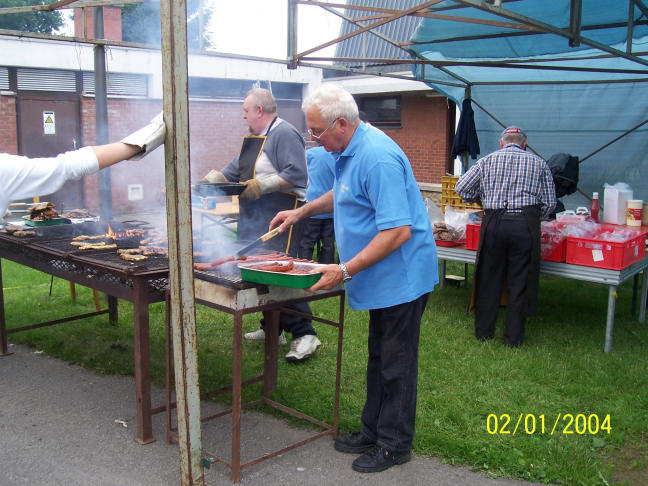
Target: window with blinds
(4, 78)
(118, 84)
(46, 80)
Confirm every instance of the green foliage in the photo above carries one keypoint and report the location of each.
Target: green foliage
(141, 23)
(40, 22)
(560, 369)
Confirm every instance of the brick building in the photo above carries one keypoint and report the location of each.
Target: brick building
(45, 75)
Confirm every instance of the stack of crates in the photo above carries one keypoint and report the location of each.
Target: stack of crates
(450, 198)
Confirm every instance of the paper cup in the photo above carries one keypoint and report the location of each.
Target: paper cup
(634, 212)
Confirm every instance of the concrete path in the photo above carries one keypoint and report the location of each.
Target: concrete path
(63, 425)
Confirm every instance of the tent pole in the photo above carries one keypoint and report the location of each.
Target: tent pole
(613, 141)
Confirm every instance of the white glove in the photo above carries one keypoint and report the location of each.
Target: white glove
(148, 138)
(214, 176)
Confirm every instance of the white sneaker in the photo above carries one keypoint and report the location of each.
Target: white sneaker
(303, 347)
(259, 335)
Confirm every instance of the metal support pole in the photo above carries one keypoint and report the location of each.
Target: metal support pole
(609, 324)
(292, 34)
(101, 112)
(644, 295)
(4, 345)
(173, 17)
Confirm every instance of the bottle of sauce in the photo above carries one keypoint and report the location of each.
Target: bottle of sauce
(595, 208)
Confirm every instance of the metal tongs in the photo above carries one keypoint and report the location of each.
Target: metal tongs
(260, 240)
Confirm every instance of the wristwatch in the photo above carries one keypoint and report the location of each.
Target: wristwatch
(345, 273)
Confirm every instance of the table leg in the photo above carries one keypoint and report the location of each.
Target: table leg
(443, 274)
(142, 363)
(236, 397)
(270, 366)
(609, 326)
(644, 294)
(4, 346)
(113, 314)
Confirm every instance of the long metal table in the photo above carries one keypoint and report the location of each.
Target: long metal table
(138, 285)
(611, 278)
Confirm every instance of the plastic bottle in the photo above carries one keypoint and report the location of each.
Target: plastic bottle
(595, 207)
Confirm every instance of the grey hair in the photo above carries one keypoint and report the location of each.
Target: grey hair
(263, 98)
(332, 102)
(518, 138)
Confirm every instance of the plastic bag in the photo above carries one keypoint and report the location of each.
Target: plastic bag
(456, 220)
(434, 212)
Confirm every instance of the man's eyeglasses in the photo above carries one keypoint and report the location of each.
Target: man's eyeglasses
(317, 137)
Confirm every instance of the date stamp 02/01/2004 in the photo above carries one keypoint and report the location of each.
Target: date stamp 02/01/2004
(563, 423)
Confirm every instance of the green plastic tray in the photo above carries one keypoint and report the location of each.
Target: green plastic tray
(47, 222)
(295, 281)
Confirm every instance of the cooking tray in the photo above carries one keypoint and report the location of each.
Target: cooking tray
(45, 222)
(283, 279)
(207, 189)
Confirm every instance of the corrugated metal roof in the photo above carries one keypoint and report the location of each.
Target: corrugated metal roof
(367, 45)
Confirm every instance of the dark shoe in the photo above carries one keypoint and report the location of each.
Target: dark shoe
(354, 443)
(378, 459)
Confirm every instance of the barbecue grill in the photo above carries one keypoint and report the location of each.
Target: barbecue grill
(142, 283)
(146, 282)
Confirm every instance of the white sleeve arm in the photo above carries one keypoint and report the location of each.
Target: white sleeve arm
(24, 177)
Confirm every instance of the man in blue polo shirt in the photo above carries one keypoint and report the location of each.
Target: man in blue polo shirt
(318, 230)
(388, 263)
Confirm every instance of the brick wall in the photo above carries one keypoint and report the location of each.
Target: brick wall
(8, 132)
(216, 131)
(112, 23)
(424, 135)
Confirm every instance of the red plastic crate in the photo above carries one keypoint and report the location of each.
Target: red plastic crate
(605, 254)
(472, 235)
(558, 251)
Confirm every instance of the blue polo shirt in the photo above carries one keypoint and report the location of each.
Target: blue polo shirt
(375, 190)
(321, 172)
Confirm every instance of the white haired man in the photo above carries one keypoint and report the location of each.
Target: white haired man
(516, 190)
(275, 181)
(389, 266)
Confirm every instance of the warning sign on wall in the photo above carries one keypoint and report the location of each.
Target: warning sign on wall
(49, 123)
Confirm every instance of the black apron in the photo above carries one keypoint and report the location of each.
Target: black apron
(532, 218)
(255, 216)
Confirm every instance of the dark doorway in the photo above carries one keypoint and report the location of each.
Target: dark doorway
(49, 125)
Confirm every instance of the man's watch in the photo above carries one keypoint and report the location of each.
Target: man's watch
(345, 273)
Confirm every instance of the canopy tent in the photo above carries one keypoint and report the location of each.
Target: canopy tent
(572, 73)
(563, 71)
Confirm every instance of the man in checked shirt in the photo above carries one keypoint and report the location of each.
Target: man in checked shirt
(516, 191)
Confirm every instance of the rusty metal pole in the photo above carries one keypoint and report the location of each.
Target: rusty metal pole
(173, 16)
(101, 112)
(292, 34)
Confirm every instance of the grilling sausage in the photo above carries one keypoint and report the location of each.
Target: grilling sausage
(275, 267)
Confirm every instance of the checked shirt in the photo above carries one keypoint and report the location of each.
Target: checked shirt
(509, 178)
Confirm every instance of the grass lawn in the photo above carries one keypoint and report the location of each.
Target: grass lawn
(470, 396)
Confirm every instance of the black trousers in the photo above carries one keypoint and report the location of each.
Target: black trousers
(392, 373)
(254, 222)
(505, 256)
(314, 232)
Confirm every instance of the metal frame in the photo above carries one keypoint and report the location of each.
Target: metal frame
(76, 269)
(611, 278)
(525, 25)
(268, 300)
